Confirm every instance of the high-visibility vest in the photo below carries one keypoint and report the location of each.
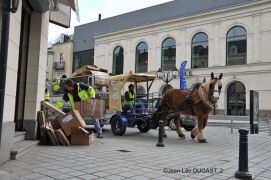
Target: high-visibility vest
(83, 94)
(131, 96)
(57, 85)
(47, 96)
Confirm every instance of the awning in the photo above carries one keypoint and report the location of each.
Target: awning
(73, 4)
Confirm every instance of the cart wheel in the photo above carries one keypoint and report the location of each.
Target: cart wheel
(171, 123)
(117, 128)
(143, 127)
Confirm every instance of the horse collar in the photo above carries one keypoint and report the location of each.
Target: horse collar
(204, 99)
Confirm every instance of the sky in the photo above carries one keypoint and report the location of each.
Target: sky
(90, 9)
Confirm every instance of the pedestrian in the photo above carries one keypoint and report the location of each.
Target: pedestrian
(76, 92)
(58, 83)
(129, 100)
(47, 95)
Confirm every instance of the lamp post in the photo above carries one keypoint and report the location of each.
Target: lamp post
(167, 76)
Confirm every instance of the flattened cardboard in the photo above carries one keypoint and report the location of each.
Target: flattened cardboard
(52, 136)
(80, 136)
(71, 119)
(62, 139)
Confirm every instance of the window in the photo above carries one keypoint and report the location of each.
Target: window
(199, 57)
(141, 62)
(118, 61)
(236, 99)
(168, 57)
(236, 46)
(77, 63)
(61, 57)
(83, 58)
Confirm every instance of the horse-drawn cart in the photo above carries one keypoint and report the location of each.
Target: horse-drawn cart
(145, 107)
(142, 117)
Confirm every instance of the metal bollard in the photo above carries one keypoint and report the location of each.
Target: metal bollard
(160, 135)
(231, 126)
(269, 127)
(243, 172)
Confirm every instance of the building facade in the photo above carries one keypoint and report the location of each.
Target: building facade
(59, 59)
(232, 39)
(24, 40)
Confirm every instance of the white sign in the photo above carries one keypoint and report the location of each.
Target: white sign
(62, 16)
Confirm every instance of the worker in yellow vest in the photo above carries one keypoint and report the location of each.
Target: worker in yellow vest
(76, 92)
(57, 84)
(129, 100)
(47, 95)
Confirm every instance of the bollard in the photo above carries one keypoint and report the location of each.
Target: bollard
(231, 126)
(269, 127)
(243, 172)
(160, 135)
(13, 155)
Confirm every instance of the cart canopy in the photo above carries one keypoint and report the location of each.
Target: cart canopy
(140, 77)
(116, 84)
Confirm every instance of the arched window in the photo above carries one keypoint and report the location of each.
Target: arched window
(141, 63)
(168, 61)
(236, 99)
(199, 57)
(236, 46)
(118, 61)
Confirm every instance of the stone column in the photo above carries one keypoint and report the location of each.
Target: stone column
(214, 48)
(256, 38)
(8, 126)
(36, 71)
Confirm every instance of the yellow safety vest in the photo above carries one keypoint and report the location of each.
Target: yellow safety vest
(47, 96)
(57, 85)
(83, 94)
(131, 96)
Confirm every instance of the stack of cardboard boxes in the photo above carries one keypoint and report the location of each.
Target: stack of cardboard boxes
(71, 131)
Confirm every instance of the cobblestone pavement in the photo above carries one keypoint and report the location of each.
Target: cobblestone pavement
(135, 156)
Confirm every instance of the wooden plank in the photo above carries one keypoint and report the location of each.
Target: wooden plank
(52, 108)
(42, 119)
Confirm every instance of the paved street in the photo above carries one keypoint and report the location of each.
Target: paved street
(135, 156)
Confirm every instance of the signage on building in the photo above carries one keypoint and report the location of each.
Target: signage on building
(254, 112)
(62, 16)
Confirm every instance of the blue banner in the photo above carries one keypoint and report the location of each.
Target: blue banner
(182, 75)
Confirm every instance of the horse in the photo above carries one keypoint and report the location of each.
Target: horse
(198, 102)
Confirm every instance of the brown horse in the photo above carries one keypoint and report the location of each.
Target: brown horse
(203, 101)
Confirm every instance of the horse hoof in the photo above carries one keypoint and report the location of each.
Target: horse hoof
(202, 141)
(164, 136)
(193, 136)
(182, 136)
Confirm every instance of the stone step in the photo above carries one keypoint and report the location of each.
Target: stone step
(227, 123)
(222, 117)
(21, 148)
(19, 136)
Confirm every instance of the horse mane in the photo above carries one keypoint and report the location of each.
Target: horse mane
(204, 91)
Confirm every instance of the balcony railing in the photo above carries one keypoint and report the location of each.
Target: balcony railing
(59, 65)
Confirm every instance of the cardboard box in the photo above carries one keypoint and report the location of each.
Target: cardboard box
(71, 119)
(94, 108)
(80, 136)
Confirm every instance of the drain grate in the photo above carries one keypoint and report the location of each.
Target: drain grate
(124, 151)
